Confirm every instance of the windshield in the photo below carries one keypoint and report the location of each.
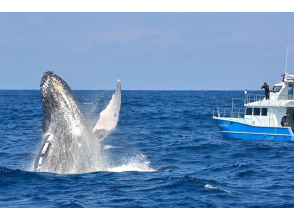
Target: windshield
(276, 88)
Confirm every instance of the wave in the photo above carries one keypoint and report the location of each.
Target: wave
(5, 170)
(209, 186)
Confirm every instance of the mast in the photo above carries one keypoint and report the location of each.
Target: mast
(286, 77)
(286, 62)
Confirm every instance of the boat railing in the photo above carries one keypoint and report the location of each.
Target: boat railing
(257, 97)
(236, 111)
(253, 98)
(226, 112)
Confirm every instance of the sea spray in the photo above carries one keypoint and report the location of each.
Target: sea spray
(137, 163)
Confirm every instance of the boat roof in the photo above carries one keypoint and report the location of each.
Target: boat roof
(278, 97)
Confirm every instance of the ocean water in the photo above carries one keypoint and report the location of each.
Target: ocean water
(166, 151)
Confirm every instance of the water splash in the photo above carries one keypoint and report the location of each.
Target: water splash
(72, 146)
(106, 147)
(138, 163)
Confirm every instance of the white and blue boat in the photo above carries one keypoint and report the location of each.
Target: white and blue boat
(261, 117)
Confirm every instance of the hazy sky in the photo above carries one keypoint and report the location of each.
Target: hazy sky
(147, 51)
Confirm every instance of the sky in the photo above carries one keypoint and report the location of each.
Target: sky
(146, 51)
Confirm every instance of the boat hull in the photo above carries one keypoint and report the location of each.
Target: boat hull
(232, 129)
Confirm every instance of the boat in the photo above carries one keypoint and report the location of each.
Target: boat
(260, 119)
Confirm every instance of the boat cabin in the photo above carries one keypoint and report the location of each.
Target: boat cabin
(263, 112)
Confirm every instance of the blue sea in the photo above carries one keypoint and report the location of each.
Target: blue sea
(165, 152)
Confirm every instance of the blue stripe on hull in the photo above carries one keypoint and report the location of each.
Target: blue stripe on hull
(231, 129)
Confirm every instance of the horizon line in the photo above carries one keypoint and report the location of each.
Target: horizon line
(136, 90)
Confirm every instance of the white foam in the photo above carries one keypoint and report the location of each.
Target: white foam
(138, 163)
(227, 191)
(208, 186)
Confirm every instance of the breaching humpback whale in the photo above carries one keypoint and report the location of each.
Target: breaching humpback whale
(71, 144)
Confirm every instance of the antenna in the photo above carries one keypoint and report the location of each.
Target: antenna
(286, 62)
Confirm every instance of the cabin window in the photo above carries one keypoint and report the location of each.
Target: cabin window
(256, 111)
(290, 90)
(249, 111)
(276, 89)
(264, 112)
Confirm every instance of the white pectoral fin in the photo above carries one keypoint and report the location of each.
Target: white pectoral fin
(43, 152)
(109, 116)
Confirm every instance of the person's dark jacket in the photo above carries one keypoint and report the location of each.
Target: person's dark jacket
(266, 88)
(284, 119)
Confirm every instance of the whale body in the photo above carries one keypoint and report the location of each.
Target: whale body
(71, 145)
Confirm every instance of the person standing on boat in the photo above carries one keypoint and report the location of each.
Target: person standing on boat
(266, 89)
(284, 120)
